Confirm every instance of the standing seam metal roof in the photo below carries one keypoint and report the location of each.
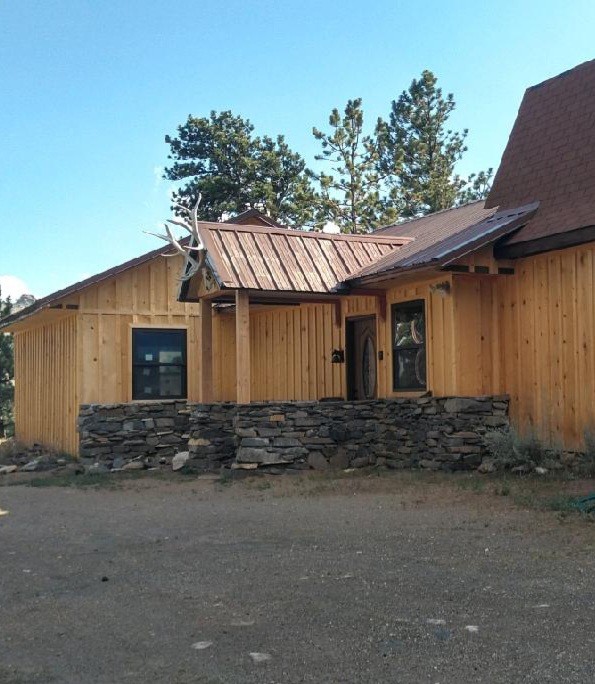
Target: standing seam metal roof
(255, 258)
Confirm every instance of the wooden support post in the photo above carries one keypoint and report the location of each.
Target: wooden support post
(242, 347)
(206, 351)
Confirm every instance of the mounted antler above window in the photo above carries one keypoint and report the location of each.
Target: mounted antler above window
(192, 265)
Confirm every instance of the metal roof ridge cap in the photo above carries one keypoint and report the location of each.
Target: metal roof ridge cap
(245, 228)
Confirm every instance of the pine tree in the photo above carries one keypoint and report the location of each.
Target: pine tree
(349, 196)
(221, 158)
(418, 152)
(6, 373)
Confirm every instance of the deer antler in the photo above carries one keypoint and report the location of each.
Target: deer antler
(191, 265)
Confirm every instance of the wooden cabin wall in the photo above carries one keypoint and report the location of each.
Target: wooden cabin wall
(291, 351)
(224, 356)
(46, 398)
(144, 296)
(440, 336)
(547, 343)
(291, 346)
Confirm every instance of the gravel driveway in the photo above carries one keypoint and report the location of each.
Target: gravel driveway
(291, 580)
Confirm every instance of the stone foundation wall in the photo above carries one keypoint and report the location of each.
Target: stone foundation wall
(429, 432)
(212, 441)
(115, 434)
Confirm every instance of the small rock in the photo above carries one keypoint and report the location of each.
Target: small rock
(340, 460)
(244, 466)
(488, 465)
(134, 465)
(522, 469)
(32, 466)
(317, 461)
(180, 460)
(541, 471)
(118, 463)
(260, 657)
(96, 469)
(360, 462)
(201, 645)
(4, 470)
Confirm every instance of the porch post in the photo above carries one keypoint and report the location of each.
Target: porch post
(242, 347)
(206, 351)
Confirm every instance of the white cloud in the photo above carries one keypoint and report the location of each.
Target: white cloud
(13, 287)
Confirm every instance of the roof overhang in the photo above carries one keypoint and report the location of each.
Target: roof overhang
(440, 255)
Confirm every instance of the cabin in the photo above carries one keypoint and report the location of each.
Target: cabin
(493, 299)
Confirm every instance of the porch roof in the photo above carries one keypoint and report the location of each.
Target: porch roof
(285, 260)
(426, 253)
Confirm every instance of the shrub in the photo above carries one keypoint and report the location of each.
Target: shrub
(509, 448)
(588, 456)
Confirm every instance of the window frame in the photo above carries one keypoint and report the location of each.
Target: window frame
(409, 304)
(155, 364)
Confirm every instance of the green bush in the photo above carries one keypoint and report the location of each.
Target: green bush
(509, 448)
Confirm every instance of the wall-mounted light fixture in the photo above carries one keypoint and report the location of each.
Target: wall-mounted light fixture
(338, 356)
(442, 289)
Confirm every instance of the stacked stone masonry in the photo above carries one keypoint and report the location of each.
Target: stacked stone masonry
(428, 432)
(115, 434)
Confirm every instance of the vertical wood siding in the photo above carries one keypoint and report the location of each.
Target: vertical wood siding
(108, 312)
(46, 401)
(546, 337)
(291, 346)
(87, 357)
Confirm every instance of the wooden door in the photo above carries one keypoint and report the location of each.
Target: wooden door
(362, 375)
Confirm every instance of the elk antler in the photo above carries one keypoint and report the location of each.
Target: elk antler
(191, 265)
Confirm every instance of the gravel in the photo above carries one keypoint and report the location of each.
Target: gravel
(281, 580)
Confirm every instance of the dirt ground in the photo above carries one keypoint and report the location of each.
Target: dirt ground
(402, 578)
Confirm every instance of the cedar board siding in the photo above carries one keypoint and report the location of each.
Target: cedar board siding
(46, 403)
(291, 346)
(144, 296)
(547, 343)
(530, 335)
(64, 360)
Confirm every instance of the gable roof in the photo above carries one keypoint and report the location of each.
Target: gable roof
(441, 224)
(425, 252)
(55, 297)
(550, 156)
(257, 258)
(254, 217)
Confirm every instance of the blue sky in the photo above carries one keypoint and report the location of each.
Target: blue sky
(88, 90)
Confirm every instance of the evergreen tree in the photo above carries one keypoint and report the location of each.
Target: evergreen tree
(234, 170)
(477, 186)
(6, 373)
(418, 152)
(349, 196)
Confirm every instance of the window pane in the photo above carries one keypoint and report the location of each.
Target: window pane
(157, 382)
(409, 326)
(159, 363)
(410, 368)
(159, 346)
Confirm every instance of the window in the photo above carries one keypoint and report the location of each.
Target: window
(158, 364)
(409, 346)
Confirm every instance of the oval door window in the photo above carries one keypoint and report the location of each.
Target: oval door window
(369, 368)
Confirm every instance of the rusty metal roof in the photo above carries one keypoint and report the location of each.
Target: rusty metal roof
(441, 224)
(427, 253)
(273, 259)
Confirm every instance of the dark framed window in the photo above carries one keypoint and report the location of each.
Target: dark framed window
(409, 346)
(158, 363)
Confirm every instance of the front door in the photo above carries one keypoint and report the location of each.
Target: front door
(361, 358)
